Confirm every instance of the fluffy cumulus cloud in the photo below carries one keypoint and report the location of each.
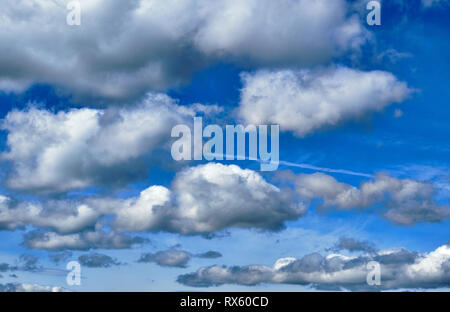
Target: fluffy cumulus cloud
(206, 199)
(61, 216)
(299, 32)
(399, 269)
(309, 100)
(56, 152)
(209, 198)
(403, 201)
(121, 49)
(215, 196)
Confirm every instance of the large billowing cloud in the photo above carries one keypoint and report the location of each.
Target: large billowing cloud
(296, 32)
(202, 200)
(210, 198)
(124, 48)
(56, 152)
(309, 100)
(403, 201)
(399, 269)
(206, 199)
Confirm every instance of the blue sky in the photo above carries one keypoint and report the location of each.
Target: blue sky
(397, 126)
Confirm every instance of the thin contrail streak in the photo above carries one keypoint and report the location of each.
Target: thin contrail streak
(306, 166)
(311, 167)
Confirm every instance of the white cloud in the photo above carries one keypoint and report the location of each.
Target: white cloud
(17, 287)
(300, 32)
(57, 152)
(399, 269)
(80, 241)
(62, 216)
(430, 267)
(148, 211)
(405, 201)
(205, 199)
(202, 200)
(283, 262)
(124, 48)
(216, 196)
(210, 198)
(167, 258)
(309, 100)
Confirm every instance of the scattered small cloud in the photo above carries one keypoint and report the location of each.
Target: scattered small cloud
(353, 245)
(398, 113)
(209, 255)
(168, 258)
(60, 256)
(97, 260)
